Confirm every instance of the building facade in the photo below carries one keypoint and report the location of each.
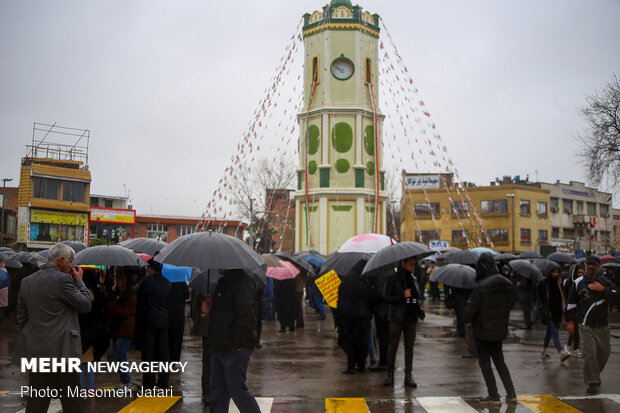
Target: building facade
(581, 217)
(8, 199)
(111, 220)
(509, 218)
(169, 228)
(340, 176)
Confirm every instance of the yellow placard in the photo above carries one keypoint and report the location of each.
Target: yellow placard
(113, 215)
(328, 285)
(57, 217)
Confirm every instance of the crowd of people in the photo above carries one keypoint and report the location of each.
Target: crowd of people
(100, 313)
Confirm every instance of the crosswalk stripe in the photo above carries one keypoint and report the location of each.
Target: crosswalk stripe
(445, 405)
(614, 397)
(150, 405)
(346, 405)
(55, 407)
(264, 403)
(546, 403)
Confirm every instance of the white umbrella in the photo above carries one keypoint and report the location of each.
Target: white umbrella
(369, 243)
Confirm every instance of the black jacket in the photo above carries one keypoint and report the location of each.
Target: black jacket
(588, 307)
(153, 295)
(233, 322)
(549, 295)
(395, 286)
(488, 307)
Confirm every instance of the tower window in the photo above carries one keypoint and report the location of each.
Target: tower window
(368, 71)
(315, 70)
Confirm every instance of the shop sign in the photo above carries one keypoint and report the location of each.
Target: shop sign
(125, 216)
(439, 245)
(57, 217)
(24, 233)
(422, 181)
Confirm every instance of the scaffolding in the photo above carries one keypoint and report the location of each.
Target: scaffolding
(58, 143)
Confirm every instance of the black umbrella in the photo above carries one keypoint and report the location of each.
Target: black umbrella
(26, 258)
(545, 265)
(562, 258)
(206, 250)
(108, 255)
(456, 275)
(76, 245)
(394, 253)
(465, 257)
(150, 246)
(529, 255)
(301, 263)
(505, 257)
(9, 260)
(343, 262)
(271, 260)
(526, 269)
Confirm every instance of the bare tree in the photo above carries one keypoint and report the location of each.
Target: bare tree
(601, 140)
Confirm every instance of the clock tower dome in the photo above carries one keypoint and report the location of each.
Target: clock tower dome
(340, 179)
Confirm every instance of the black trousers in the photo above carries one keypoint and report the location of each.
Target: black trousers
(355, 338)
(206, 367)
(382, 328)
(488, 350)
(155, 348)
(408, 329)
(59, 381)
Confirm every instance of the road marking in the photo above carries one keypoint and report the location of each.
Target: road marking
(614, 397)
(150, 405)
(3, 392)
(445, 405)
(546, 403)
(55, 407)
(264, 403)
(346, 405)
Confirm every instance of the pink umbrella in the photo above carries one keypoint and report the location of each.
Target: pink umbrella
(286, 272)
(368, 243)
(606, 259)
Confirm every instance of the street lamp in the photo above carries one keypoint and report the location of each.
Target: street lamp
(4, 181)
(512, 215)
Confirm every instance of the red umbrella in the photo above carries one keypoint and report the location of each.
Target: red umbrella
(606, 259)
(286, 272)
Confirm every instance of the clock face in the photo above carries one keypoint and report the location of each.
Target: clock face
(342, 68)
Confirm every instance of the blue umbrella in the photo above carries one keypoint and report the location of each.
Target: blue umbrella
(176, 274)
(316, 261)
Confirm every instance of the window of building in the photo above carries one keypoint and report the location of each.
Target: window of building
(580, 234)
(543, 236)
(109, 203)
(555, 232)
(524, 207)
(526, 235)
(94, 201)
(427, 236)
(185, 230)
(55, 232)
(541, 208)
(567, 205)
(604, 210)
(426, 208)
(45, 188)
(10, 224)
(555, 205)
(495, 206)
(498, 235)
(460, 208)
(315, 70)
(368, 71)
(591, 209)
(73, 191)
(158, 231)
(459, 236)
(569, 233)
(579, 207)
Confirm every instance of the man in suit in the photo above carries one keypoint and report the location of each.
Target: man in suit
(47, 313)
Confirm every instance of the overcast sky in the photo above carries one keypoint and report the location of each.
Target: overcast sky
(167, 88)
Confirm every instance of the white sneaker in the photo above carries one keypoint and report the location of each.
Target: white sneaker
(578, 353)
(568, 349)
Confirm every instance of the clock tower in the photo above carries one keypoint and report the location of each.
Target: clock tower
(340, 179)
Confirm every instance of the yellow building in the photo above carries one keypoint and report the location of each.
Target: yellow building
(508, 218)
(54, 188)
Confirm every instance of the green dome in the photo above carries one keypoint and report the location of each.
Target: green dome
(335, 3)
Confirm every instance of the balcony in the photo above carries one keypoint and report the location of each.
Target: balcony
(581, 220)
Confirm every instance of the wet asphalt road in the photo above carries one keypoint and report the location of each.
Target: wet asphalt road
(296, 372)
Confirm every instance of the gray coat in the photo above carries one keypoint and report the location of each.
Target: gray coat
(47, 313)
